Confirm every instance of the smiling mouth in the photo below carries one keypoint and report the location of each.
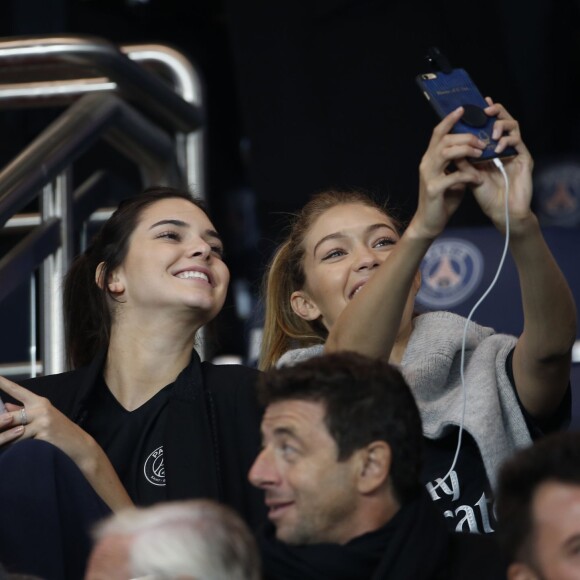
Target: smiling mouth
(193, 274)
(355, 292)
(276, 510)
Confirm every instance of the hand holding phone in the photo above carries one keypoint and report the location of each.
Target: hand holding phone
(446, 91)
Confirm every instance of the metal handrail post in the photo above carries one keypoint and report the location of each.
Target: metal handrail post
(94, 53)
(91, 117)
(187, 83)
(185, 79)
(55, 202)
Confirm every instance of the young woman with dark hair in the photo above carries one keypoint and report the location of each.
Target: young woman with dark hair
(141, 417)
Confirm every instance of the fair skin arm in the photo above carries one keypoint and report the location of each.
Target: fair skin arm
(542, 357)
(541, 362)
(48, 424)
(356, 328)
(439, 197)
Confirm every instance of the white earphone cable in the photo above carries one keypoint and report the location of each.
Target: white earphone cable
(501, 167)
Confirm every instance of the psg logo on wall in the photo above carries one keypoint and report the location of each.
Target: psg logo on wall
(451, 270)
(557, 193)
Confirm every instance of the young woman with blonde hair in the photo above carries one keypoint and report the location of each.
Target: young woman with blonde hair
(346, 279)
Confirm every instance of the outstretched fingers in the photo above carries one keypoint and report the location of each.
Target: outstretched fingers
(443, 153)
(446, 147)
(16, 391)
(10, 426)
(446, 124)
(506, 130)
(454, 181)
(507, 133)
(13, 423)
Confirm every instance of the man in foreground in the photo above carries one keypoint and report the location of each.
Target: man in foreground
(340, 468)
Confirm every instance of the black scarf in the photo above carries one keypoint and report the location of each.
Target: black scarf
(414, 544)
(193, 438)
(191, 417)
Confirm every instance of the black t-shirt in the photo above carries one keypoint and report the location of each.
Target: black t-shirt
(465, 498)
(132, 440)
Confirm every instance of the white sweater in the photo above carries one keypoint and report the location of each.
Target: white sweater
(431, 366)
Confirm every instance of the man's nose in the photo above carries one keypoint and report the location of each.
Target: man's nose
(262, 473)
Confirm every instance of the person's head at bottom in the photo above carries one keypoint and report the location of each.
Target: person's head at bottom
(538, 507)
(182, 540)
(342, 448)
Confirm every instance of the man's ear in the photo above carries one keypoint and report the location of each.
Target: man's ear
(114, 285)
(375, 466)
(521, 571)
(303, 305)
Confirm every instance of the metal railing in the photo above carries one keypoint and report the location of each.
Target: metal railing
(144, 100)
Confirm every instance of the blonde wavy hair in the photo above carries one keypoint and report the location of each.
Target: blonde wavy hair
(283, 328)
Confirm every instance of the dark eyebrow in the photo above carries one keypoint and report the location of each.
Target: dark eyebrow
(338, 235)
(178, 223)
(277, 431)
(284, 431)
(182, 224)
(334, 236)
(287, 432)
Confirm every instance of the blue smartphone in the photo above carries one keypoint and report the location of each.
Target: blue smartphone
(446, 92)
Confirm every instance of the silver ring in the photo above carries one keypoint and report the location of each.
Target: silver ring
(23, 417)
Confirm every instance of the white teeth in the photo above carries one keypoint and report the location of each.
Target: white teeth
(356, 291)
(188, 274)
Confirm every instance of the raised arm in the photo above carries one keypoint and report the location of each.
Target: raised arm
(48, 424)
(371, 321)
(541, 362)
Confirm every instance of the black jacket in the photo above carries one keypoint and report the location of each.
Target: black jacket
(212, 434)
(414, 545)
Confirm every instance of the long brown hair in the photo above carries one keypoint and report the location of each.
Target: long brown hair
(86, 305)
(283, 328)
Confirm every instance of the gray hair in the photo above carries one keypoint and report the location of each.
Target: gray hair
(196, 539)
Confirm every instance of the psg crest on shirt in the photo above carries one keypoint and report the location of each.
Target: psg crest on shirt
(451, 270)
(154, 467)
